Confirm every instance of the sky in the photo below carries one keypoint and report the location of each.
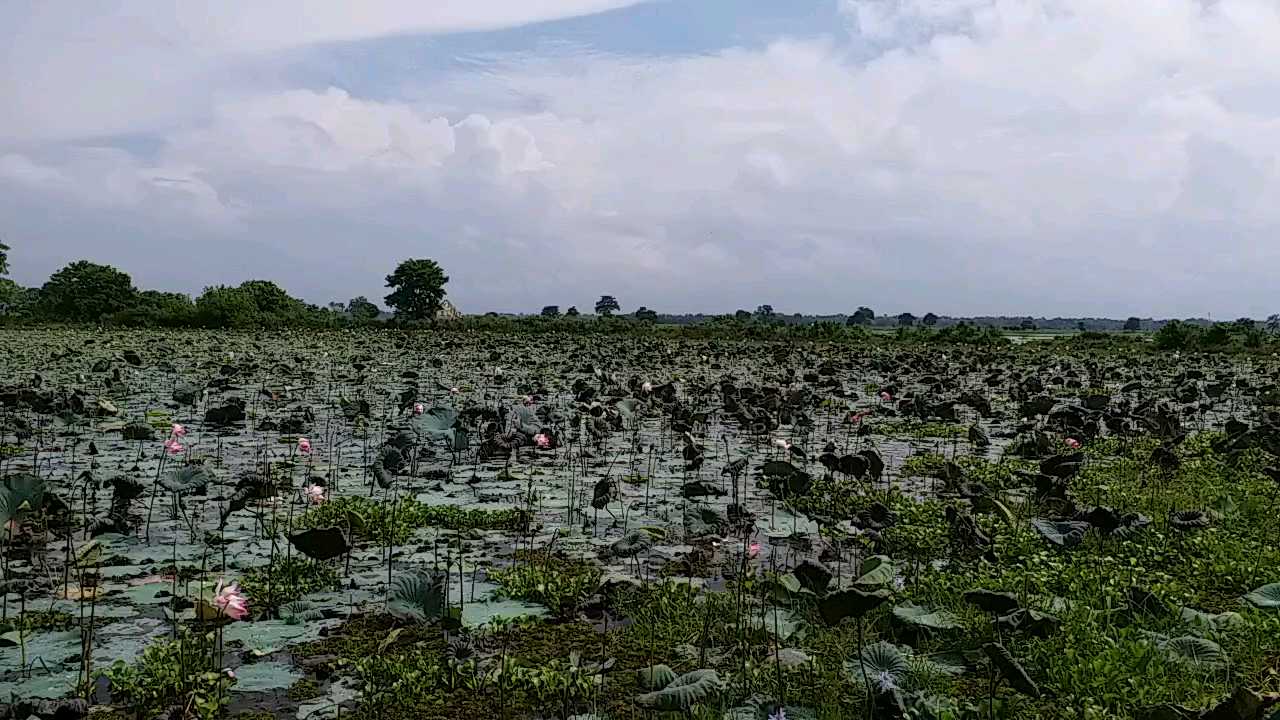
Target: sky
(963, 157)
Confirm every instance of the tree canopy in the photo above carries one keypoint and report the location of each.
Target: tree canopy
(363, 309)
(607, 305)
(86, 292)
(863, 316)
(417, 289)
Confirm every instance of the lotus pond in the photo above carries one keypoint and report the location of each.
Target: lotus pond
(381, 524)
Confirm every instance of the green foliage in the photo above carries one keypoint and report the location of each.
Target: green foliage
(39, 620)
(15, 300)
(287, 579)
(394, 523)
(559, 584)
(85, 292)
(226, 307)
(254, 303)
(417, 290)
(607, 305)
(172, 672)
(361, 309)
(158, 309)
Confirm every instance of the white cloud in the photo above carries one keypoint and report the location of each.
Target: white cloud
(73, 68)
(1055, 156)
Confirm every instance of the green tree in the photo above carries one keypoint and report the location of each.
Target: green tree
(929, 320)
(221, 306)
(157, 308)
(1133, 324)
(742, 316)
(15, 300)
(906, 320)
(273, 303)
(551, 311)
(4, 258)
(362, 309)
(86, 292)
(607, 305)
(572, 311)
(863, 316)
(1175, 335)
(417, 289)
(644, 314)
(764, 312)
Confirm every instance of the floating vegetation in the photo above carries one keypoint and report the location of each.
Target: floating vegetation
(392, 524)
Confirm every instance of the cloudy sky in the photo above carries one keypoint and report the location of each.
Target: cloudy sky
(1057, 157)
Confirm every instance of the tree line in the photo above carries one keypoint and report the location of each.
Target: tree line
(87, 292)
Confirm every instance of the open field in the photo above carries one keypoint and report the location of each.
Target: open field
(477, 525)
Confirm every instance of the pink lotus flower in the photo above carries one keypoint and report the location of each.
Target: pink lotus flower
(528, 399)
(856, 418)
(755, 549)
(230, 600)
(230, 673)
(1072, 443)
(304, 446)
(646, 387)
(315, 493)
(173, 447)
(542, 440)
(885, 396)
(178, 430)
(418, 409)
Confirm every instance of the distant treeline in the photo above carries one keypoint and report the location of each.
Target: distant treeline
(85, 292)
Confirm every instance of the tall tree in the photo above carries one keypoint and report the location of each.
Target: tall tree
(1133, 324)
(644, 314)
(863, 316)
(4, 258)
(572, 311)
(764, 312)
(906, 320)
(929, 320)
(742, 315)
(551, 311)
(607, 305)
(361, 308)
(86, 292)
(418, 289)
